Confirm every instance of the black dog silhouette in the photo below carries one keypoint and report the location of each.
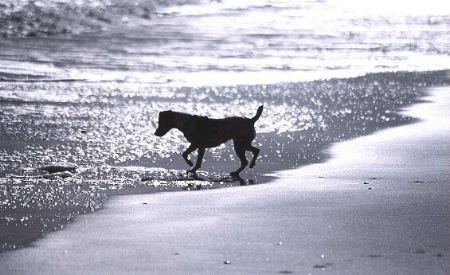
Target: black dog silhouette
(203, 132)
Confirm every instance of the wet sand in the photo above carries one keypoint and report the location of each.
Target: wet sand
(379, 206)
(300, 120)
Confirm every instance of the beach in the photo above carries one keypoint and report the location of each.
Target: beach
(100, 137)
(341, 183)
(378, 206)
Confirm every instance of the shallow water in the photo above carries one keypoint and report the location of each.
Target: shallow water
(81, 83)
(226, 43)
(108, 135)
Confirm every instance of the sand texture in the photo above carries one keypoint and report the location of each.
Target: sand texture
(67, 147)
(379, 206)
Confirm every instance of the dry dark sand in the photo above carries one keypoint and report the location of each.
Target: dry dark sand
(380, 206)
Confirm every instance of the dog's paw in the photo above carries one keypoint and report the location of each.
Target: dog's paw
(191, 175)
(192, 171)
(235, 174)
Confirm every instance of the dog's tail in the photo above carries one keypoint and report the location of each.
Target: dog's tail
(258, 114)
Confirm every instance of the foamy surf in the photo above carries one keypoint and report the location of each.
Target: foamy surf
(106, 130)
(82, 82)
(195, 43)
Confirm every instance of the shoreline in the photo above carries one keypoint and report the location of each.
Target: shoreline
(23, 220)
(382, 208)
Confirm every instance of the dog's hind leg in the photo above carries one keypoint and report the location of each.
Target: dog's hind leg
(240, 151)
(186, 153)
(198, 163)
(255, 152)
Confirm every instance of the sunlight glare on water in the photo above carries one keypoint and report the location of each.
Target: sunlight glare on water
(82, 82)
(280, 41)
(243, 42)
(391, 8)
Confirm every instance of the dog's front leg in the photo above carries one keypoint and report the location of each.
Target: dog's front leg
(198, 163)
(186, 153)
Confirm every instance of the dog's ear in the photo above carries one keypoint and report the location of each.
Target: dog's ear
(168, 112)
(166, 116)
(165, 113)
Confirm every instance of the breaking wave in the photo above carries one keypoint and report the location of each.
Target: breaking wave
(29, 18)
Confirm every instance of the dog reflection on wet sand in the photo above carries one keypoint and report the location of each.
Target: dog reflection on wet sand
(203, 132)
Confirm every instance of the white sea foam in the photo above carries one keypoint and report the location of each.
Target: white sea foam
(220, 43)
(83, 82)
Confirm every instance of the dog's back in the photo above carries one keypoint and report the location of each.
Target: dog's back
(207, 132)
(204, 130)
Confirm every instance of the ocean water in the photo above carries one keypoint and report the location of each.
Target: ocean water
(219, 42)
(82, 82)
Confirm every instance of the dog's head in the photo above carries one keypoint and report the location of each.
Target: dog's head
(165, 123)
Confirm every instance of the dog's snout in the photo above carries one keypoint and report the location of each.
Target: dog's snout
(161, 132)
(158, 133)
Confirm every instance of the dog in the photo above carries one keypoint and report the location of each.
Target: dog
(203, 132)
